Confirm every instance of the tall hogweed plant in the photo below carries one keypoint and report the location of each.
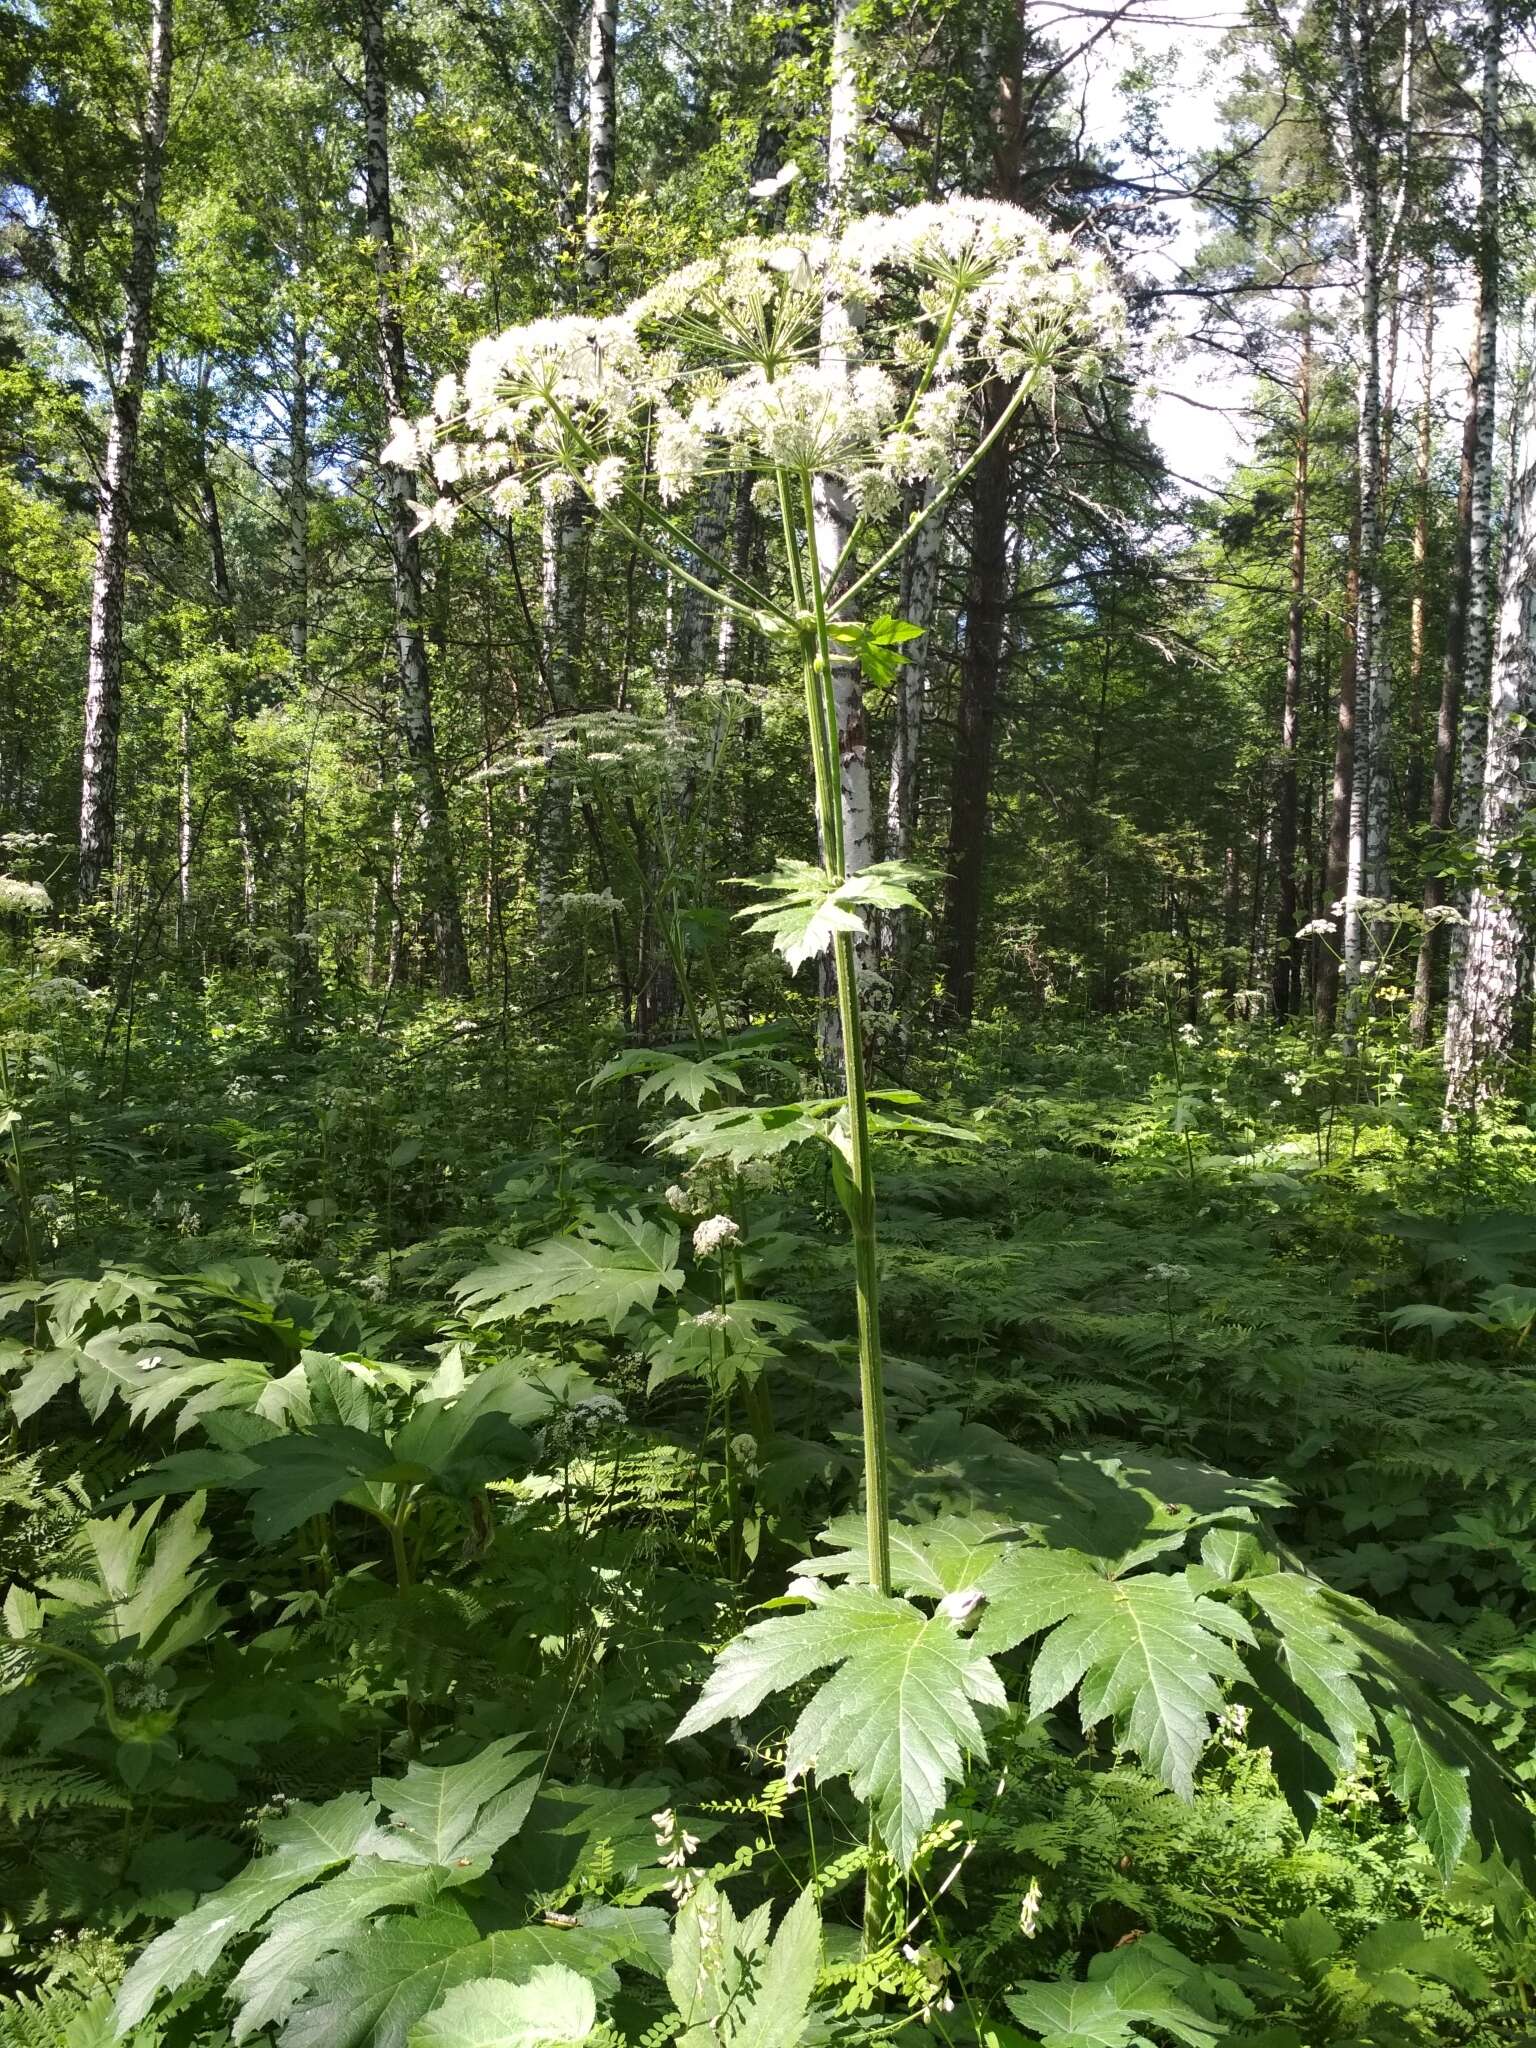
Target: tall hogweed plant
(879, 364)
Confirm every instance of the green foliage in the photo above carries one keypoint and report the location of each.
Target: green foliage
(732, 1981)
(810, 907)
(898, 1716)
(601, 1273)
(554, 2005)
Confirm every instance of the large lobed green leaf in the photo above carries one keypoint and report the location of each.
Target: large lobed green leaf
(809, 906)
(601, 1273)
(1145, 1651)
(897, 1717)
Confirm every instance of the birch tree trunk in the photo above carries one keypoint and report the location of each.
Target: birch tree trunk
(104, 671)
(833, 508)
(1286, 981)
(600, 140)
(1442, 787)
(445, 929)
(1481, 1040)
(1480, 555)
(1325, 989)
(184, 828)
(567, 24)
(921, 578)
(1375, 240)
(304, 973)
(224, 622)
(1419, 605)
(1363, 878)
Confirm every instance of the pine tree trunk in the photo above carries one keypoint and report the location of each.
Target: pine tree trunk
(695, 643)
(986, 608)
(1479, 1048)
(445, 934)
(1285, 986)
(1480, 553)
(104, 672)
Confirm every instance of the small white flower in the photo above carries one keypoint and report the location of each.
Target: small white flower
(605, 480)
(1029, 1910)
(713, 1233)
(959, 1606)
(770, 188)
(793, 265)
(1171, 1275)
(1317, 928)
(403, 448)
(678, 1198)
(712, 1319)
(438, 517)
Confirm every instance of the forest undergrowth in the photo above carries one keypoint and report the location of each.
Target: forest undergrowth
(397, 1432)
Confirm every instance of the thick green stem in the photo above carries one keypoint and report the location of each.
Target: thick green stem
(860, 1174)
(866, 1273)
(859, 1177)
(18, 1172)
(834, 837)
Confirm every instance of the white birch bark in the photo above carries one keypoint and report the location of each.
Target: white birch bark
(1481, 1039)
(833, 509)
(1471, 774)
(600, 139)
(1375, 239)
(296, 495)
(908, 700)
(184, 827)
(104, 670)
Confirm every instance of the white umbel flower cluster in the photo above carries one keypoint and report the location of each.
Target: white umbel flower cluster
(720, 367)
(712, 1233)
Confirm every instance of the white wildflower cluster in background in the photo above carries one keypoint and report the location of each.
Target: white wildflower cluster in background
(720, 367)
(23, 899)
(575, 903)
(580, 1424)
(595, 747)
